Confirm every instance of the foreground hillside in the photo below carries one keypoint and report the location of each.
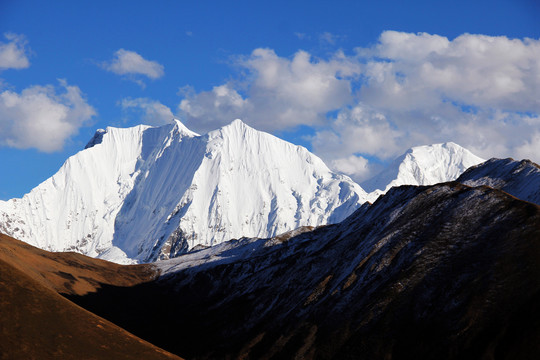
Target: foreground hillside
(449, 271)
(38, 323)
(440, 272)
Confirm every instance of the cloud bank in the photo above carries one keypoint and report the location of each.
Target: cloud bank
(42, 117)
(406, 90)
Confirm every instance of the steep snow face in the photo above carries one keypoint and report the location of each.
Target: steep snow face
(229, 183)
(518, 178)
(146, 193)
(75, 209)
(423, 165)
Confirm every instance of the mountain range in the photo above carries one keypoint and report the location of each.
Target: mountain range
(145, 193)
(251, 248)
(445, 271)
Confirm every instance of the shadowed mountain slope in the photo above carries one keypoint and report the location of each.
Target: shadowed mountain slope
(38, 323)
(440, 272)
(518, 178)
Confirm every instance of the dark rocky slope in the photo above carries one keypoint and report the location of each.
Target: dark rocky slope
(439, 272)
(518, 178)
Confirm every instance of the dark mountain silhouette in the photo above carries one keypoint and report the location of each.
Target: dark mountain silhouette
(442, 272)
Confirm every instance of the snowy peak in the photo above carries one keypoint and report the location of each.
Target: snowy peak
(232, 182)
(518, 178)
(423, 165)
(145, 193)
(180, 128)
(238, 125)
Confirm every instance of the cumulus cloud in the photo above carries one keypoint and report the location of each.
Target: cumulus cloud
(406, 90)
(357, 167)
(357, 130)
(153, 112)
(277, 93)
(477, 90)
(530, 148)
(13, 53)
(42, 117)
(478, 70)
(131, 64)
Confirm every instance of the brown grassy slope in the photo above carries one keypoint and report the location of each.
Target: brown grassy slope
(38, 323)
(70, 273)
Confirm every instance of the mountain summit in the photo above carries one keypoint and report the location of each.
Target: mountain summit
(423, 165)
(148, 193)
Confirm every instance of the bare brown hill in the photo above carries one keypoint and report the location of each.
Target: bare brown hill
(38, 323)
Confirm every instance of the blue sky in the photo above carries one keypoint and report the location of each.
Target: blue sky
(356, 82)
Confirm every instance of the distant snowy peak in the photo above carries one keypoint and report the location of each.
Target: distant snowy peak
(423, 165)
(518, 178)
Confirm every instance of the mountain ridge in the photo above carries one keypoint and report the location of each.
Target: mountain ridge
(518, 178)
(408, 267)
(145, 193)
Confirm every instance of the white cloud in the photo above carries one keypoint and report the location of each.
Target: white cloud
(530, 149)
(209, 110)
(479, 91)
(41, 118)
(357, 167)
(154, 112)
(407, 90)
(126, 62)
(301, 36)
(327, 38)
(357, 130)
(14, 54)
(277, 93)
(477, 70)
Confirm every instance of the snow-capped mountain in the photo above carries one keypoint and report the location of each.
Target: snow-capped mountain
(148, 193)
(518, 178)
(422, 165)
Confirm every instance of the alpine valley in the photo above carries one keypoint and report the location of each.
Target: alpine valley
(249, 247)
